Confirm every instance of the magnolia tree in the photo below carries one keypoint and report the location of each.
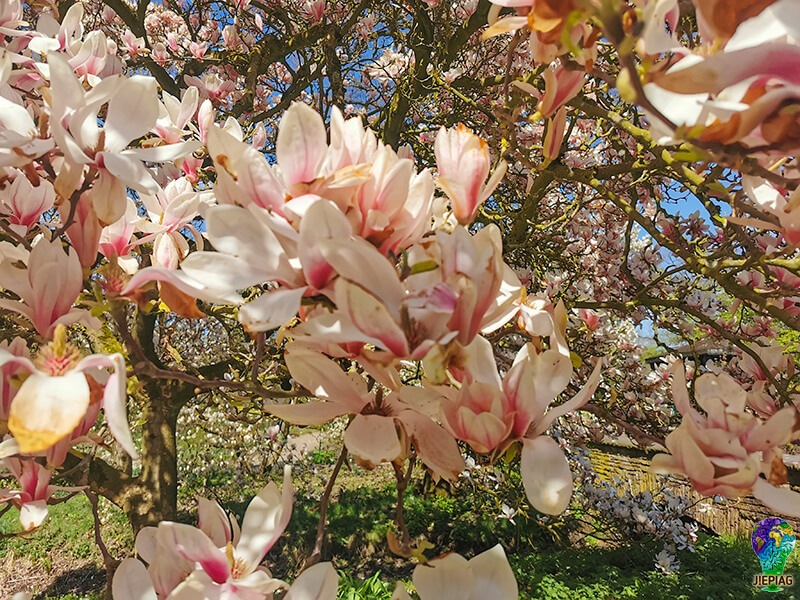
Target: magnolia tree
(446, 224)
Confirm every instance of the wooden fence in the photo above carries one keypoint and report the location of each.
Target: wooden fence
(630, 465)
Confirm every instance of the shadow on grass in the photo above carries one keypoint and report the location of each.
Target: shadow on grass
(78, 582)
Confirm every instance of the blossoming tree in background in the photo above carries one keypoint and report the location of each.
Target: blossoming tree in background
(440, 223)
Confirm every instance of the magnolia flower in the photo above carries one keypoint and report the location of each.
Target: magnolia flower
(19, 138)
(174, 115)
(453, 577)
(35, 489)
(746, 92)
(133, 110)
(458, 286)
(382, 426)
(47, 288)
(724, 451)
(218, 560)
(490, 415)
(25, 202)
(56, 395)
(462, 159)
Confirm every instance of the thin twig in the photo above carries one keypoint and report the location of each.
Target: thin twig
(109, 561)
(14, 235)
(402, 485)
(147, 369)
(261, 345)
(323, 510)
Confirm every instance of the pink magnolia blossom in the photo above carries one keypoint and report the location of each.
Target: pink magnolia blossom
(725, 450)
(462, 159)
(35, 490)
(131, 44)
(218, 559)
(490, 415)
(132, 111)
(55, 397)
(19, 138)
(461, 286)
(24, 203)
(382, 427)
(47, 287)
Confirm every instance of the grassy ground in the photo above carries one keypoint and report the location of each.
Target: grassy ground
(60, 561)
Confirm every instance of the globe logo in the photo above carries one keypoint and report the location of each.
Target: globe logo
(773, 542)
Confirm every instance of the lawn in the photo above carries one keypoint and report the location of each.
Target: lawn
(61, 561)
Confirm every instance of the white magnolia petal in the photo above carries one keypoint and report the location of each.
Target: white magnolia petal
(493, 576)
(33, 514)
(436, 448)
(165, 153)
(302, 143)
(782, 500)
(147, 543)
(359, 261)
(319, 582)
(266, 517)
(310, 413)
(212, 520)
(371, 317)
(131, 582)
(271, 309)
(546, 475)
(132, 112)
(446, 578)
(323, 377)
(114, 406)
(183, 282)
(47, 408)
(574, 403)
(220, 271)
(373, 439)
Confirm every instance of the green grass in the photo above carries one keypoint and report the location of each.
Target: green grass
(721, 569)
(69, 529)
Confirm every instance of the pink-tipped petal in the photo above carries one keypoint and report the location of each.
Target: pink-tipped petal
(302, 143)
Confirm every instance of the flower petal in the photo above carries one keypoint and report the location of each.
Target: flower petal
(782, 500)
(302, 143)
(546, 475)
(445, 578)
(47, 408)
(319, 582)
(266, 517)
(131, 582)
(435, 447)
(372, 439)
(493, 576)
(132, 112)
(271, 309)
(192, 544)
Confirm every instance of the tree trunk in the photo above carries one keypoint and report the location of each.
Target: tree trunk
(153, 495)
